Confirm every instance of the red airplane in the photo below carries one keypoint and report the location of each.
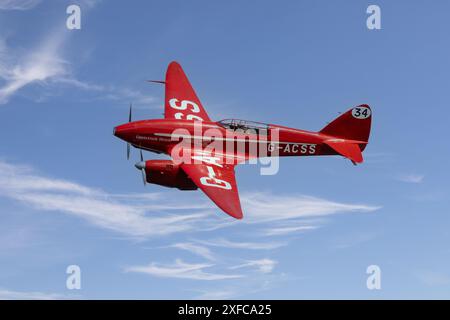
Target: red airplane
(204, 153)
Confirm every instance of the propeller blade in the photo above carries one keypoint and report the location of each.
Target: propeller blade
(129, 120)
(144, 179)
(157, 81)
(129, 113)
(141, 166)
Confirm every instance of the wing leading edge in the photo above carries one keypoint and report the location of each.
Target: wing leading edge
(181, 101)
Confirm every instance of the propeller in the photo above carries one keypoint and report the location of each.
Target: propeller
(141, 166)
(157, 81)
(128, 144)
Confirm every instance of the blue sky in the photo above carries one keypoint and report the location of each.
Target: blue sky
(68, 195)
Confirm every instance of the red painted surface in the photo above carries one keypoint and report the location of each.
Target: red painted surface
(229, 142)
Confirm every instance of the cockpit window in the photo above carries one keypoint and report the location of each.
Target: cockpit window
(244, 126)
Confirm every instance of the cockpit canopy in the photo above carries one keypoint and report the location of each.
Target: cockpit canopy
(244, 126)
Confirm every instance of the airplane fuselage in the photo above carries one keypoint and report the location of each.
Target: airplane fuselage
(162, 135)
(204, 153)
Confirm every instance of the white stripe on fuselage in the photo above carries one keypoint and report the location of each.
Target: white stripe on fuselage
(226, 139)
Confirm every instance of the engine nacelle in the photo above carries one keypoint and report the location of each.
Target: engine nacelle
(166, 173)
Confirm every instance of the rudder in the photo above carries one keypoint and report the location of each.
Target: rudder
(353, 124)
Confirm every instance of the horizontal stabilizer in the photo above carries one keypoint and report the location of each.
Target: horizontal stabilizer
(349, 150)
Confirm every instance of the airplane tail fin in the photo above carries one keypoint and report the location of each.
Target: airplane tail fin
(349, 133)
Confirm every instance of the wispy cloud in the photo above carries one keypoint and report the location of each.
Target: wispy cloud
(221, 242)
(121, 94)
(46, 65)
(143, 216)
(222, 294)
(261, 207)
(182, 270)
(280, 231)
(262, 265)
(411, 178)
(21, 183)
(18, 4)
(22, 295)
(246, 286)
(41, 64)
(195, 249)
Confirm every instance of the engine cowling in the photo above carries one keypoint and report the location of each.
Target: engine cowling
(168, 174)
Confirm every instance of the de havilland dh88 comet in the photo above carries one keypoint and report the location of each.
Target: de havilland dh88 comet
(204, 152)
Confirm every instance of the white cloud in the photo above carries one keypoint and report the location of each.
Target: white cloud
(279, 231)
(412, 178)
(30, 4)
(145, 215)
(129, 214)
(96, 206)
(182, 270)
(218, 294)
(265, 207)
(242, 245)
(244, 287)
(45, 65)
(18, 4)
(262, 265)
(41, 64)
(124, 94)
(195, 249)
(21, 295)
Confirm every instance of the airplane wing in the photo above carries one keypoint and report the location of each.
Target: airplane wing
(218, 182)
(181, 102)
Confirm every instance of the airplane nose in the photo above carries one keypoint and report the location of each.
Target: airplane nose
(120, 131)
(140, 165)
